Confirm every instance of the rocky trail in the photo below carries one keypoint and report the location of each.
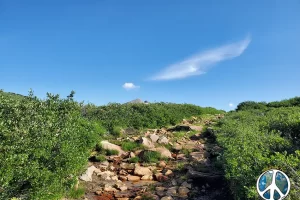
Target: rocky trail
(185, 166)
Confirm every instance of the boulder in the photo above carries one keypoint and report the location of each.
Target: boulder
(172, 191)
(163, 151)
(110, 146)
(147, 178)
(154, 137)
(133, 178)
(142, 171)
(127, 166)
(146, 142)
(183, 191)
(87, 176)
(163, 140)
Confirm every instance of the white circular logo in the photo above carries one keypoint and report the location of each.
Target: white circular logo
(273, 185)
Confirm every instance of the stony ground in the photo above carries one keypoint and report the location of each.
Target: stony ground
(187, 168)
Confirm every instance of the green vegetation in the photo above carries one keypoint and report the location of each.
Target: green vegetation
(256, 140)
(179, 134)
(116, 131)
(134, 160)
(150, 156)
(249, 105)
(44, 146)
(100, 158)
(111, 152)
(130, 146)
(76, 193)
(141, 116)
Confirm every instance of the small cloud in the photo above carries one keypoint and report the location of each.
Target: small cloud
(130, 86)
(198, 64)
(231, 105)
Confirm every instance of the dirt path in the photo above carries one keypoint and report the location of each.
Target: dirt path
(189, 172)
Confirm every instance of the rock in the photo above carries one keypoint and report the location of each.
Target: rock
(104, 165)
(124, 194)
(147, 178)
(177, 147)
(162, 164)
(123, 178)
(163, 140)
(160, 191)
(87, 176)
(154, 137)
(160, 177)
(196, 128)
(106, 175)
(174, 182)
(172, 191)
(183, 191)
(112, 168)
(181, 156)
(187, 185)
(133, 178)
(196, 156)
(122, 187)
(167, 198)
(169, 173)
(163, 151)
(107, 145)
(146, 142)
(114, 178)
(127, 166)
(123, 172)
(132, 155)
(142, 171)
(109, 188)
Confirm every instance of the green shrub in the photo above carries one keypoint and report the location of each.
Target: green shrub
(257, 140)
(111, 152)
(150, 156)
(100, 158)
(134, 160)
(46, 145)
(140, 116)
(130, 146)
(116, 131)
(76, 194)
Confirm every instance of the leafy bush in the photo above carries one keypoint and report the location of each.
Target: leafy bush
(257, 140)
(130, 146)
(116, 131)
(44, 145)
(141, 116)
(150, 156)
(249, 105)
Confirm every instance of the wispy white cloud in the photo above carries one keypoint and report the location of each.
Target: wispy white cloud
(231, 105)
(130, 86)
(198, 64)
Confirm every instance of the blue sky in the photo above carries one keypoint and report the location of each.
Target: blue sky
(209, 53)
